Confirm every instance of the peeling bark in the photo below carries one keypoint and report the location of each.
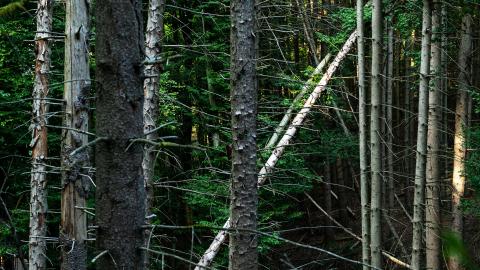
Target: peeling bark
(38, 183)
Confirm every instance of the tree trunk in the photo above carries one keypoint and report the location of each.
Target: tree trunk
(362, 123)
(268, 167)
(243, 198)
(288, 115)
(151, 87)
(375, 140)
(459, 146)
(432, 196)
(75, 182)
(38, 192)
(120, 194)
(420, 167)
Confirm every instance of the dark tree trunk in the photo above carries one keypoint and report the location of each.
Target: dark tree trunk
(244, 198)
(120, 194)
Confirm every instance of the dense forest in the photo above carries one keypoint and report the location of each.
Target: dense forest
(241, 135)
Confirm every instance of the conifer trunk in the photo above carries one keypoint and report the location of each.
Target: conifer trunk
(120, 193)
(362, 118)
(432, 196)
(243, 189)
(38, 183)
(75, 182)
(459, 146)
(420, 167)
(375, 140)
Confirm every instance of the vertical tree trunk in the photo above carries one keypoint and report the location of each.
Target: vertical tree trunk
(243, 199)
(362, 118)
(432, 196)
(120, 194)
(389, 118)
(151, 86)
(38, 192)
(419, 193)
(73, 225)
(375, 142)
(459, 146)
(329, 233)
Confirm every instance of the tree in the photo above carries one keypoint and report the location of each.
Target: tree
(362, 125)
(432, 196)
(461, 122)
(243, 188)
(375, 140)
(420, 166)
(75, 182)
(120, 194)
(38, 191)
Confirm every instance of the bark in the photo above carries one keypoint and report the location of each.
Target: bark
(120, 193)
(459, 146)
(288, 115)
(151, 87)
(432, 196)
(375, 140)
(243, 189)
(38, 182)
(420, 166)
(75, 182)
(362, 124)
(268, 167)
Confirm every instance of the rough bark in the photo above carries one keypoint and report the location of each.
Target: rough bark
(120, 193)
(243, 252)
(459, 146)
(432, 195)
(38, 182)
(75, 182)
(151, 87)
(362, 125)
(421, 156)
(375, 140)
(268, 167)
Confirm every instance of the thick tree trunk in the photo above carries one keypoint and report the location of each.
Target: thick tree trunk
(421, 158)
(375, 140)
(268, 167)
(38, 183)
(459, 146)
(75, 182)
(120, 194)
(432, 196)
(362, 123)
(151, 87)
(243, 199)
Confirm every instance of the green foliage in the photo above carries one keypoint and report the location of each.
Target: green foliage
(455, 247)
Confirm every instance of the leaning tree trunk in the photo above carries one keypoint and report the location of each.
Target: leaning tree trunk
(362, 124)
(432, 196)
(459, 145)
(375, 140)
(38, 192)
(151, 87)
(421, 158)
(73, 224)
(243, 188)
(120, 193)
(286, 139)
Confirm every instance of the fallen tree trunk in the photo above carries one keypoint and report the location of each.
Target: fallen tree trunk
(212, 251)
(288, 115)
